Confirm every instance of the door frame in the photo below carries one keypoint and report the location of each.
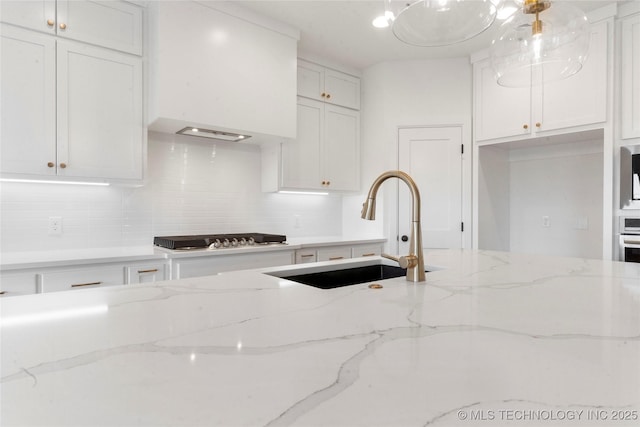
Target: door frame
(392, 206)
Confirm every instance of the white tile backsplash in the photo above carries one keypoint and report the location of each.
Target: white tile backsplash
(193, 186)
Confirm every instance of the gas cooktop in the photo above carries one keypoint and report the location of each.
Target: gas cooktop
(217, 241)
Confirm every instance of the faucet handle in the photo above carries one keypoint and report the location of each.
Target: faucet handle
(408, 261)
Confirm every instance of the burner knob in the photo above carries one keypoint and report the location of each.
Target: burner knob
(234, 242)
(243, 241)
(251, 241)
(226, 243)
(216, 244)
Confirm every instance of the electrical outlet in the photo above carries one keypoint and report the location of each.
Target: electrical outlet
(546, 221)
(55, 225)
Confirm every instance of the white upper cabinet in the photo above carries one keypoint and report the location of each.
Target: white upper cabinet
(100, 124)
(28, 97)
(579, 100)
(211, 69)
(69, 109)
(326, 153)
(112, 24)
(630, 78)
(325, 84)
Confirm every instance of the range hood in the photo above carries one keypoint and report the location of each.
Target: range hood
(213, 134)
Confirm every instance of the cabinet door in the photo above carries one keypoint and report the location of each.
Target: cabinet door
(113, 24)
(310, 80)
(39, 15)
(327, 85)
(630, 85)
(582, 98)
(499, 111)
(301, 158)
(342, 89)
(341, 149)
(28, 118)
(100, 132)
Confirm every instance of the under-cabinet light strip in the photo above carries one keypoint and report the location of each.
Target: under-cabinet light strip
(38, 181)
(308, 193)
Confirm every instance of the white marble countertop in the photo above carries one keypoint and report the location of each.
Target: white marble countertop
(42, 259)
(491, 339)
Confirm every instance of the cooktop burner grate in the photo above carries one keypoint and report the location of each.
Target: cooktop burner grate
(203, 241)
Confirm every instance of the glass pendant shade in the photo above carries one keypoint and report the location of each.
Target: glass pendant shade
(534, 48)
(433, 23)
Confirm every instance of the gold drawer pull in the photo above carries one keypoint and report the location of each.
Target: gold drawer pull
(86, 284)
(335, 258)
(63, 165)
(3, 292)
(50, 22)
(307, 256)
(370, 254)
(63, 26)
(153, 270)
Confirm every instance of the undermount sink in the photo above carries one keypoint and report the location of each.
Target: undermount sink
(346, 274)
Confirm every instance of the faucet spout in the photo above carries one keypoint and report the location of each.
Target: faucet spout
(414, 262)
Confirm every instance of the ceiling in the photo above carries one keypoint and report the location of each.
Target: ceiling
(340, 31)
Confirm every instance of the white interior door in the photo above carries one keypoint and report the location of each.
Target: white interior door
(433, 158)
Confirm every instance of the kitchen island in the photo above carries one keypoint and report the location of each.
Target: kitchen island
(491, 338)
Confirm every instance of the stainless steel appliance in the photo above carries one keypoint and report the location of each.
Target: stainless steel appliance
(630, 177)
(218, 241)
(630, 239)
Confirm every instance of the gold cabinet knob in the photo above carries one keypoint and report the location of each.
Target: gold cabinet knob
(525, 126)
(324, 183)
(63, 165)
(328, 95)
(50, 22)
(63, 26)
(538, 124)
(323, 94)
(328, 183)
(50, 164)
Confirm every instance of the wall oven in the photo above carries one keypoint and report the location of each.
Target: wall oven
(630, 239)
(630, 177)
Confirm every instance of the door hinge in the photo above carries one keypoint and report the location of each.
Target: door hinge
(461, 148)
(462, 226)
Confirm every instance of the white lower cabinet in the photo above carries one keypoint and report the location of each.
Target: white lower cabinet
(337, 252)
(367, 250)
(183, 268)
(81, 278)
(334, 253)
(20, 283)
(146, 272)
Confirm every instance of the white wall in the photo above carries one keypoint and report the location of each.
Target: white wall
(563, 183)
(194, 186)
(519, 186)
(397, 94)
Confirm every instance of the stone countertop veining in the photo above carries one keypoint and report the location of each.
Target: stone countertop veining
(492, 338)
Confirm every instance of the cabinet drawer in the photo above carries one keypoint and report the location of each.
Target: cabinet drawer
(146, 273)
(367, 250)
(306, 256)
(334, 253)
(93, 277)
(13, 284)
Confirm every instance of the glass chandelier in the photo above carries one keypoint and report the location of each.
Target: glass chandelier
(543, 42)
(433, 23)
